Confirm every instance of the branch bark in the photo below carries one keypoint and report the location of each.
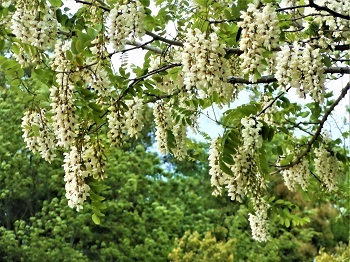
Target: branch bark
(271, 78)
(330, 11)
(319, 129)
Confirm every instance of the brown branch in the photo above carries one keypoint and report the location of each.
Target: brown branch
(144, 46)
(158, 97)
(291, 8)
(318, 131)
(237, 51)
(158, 70)
(163, 39)
(325, 8)
(90, 3)
(262, 80)
(271, 78)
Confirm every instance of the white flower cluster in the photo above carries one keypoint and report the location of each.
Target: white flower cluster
(62, 97)
(6, 4)
(179, 131)
(162, 119)
(246, 179)
(301, 68)
(88, 160)
(133, 117)
(35, 25)
(260, 33)
(116, 124)
(43, 142)
(252, 140)
(126, 21)
(338, 27)
(267, 116)
(122, 122)
(204, 65)
(217, 176)
(297, 174)
(100, 82)
(244, 169)
(76, 188)
(94, 78)
(326, 165)
(93, 159)
(259, 224)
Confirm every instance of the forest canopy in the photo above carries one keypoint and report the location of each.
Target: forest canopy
(79, 106)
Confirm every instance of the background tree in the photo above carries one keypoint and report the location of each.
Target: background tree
(78, 104)
(139, 222)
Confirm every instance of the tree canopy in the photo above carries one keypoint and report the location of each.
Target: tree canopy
(79, 105)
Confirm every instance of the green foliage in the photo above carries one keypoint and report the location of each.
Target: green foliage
(147, 206)
(192, 248)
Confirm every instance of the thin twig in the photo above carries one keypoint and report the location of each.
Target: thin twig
(318, 131)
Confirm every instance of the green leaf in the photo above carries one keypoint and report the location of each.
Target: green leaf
(279, 150)
(271, 134)
(263, 164)
(95, 107)
(96, 197)
(96, 219)
(265, 132)
(56, 3)
(224, 167)
(287, 222)
(145, 2)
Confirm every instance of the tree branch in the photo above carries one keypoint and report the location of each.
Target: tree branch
(90, 3)
(158, 97)
(319, 129)
(163, 39)
(325, 8)
(291, 8)
(271, 78)
(144, 46)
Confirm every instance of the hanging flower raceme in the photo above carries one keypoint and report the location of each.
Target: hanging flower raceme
(326, 166)
(245, 179)
(126, 23)
(179, 131)
(80, 163)
(62, 97)
(133, 117)
(37, 134)
(297, 174)
(76, 189)
(116, 124)
(260, 33)
(301, 68)
(204, 65)
(163, 121)
(259, 223)
(217, 176)
(34, 25)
